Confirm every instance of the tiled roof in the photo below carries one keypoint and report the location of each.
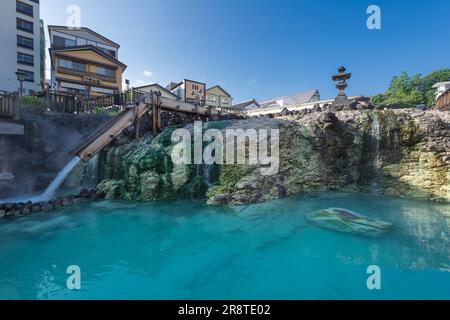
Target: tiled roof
(245, 104)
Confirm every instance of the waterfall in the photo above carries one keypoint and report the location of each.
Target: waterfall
(91, 173)
(56, 183)
(375, 139)
(198, 170)
(207, 170)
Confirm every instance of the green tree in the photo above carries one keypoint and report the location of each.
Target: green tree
(408, 92)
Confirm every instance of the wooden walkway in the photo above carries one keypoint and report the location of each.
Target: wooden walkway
(152, 103)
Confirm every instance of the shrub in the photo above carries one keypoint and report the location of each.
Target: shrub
(32, 104)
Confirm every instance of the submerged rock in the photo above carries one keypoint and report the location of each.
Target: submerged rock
(343, 220)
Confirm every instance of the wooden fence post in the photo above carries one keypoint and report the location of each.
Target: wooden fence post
(158, 110)
(137, 123)
(154, 115)
(15, 103)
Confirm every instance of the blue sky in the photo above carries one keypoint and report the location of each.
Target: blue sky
(264, 49)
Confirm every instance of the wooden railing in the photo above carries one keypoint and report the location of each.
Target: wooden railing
(69, 103)
(443, 102)
(9, 105)
(121, 99)
(61, 103)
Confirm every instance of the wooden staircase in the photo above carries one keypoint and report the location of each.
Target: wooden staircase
(152, 103)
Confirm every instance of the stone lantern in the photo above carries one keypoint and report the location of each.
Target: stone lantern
(341, 84)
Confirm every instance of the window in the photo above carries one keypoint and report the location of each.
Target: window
(29, 75)
(211, 98)
(24, 25)
(60, 42)
(112, 53)
(224, 100)
(25, 59)
(25, 42)
(75, 91)
(72, 65)
(106, 72)
(24, 8)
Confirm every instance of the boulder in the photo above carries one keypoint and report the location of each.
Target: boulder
(57, 203)
(79, 200)
(11, 213)
(46, 207)
(316, 108)
(350, 107)
(285, 112)
(221, 199)
(85, 193)
(67, 202)
(335, 108)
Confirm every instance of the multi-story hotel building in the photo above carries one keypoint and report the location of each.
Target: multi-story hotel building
(84, 62)
(20, 48)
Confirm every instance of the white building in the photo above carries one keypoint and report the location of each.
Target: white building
(189, 91)
(305, 97)
(20, 35)
(247, 105)
(84, 62)
(64, 37)
(158, 88)
(218, 97)
(441, 87)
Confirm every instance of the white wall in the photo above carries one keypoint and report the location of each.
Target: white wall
(155, 88)
(8, 52)
(9, 49)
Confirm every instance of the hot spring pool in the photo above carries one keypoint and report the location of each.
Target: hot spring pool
(187, 250)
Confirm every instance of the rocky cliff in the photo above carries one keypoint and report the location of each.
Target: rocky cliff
(403, 153)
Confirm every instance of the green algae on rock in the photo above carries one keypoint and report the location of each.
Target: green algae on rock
(403, 153)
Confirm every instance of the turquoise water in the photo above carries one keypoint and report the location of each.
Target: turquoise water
(187, 250)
